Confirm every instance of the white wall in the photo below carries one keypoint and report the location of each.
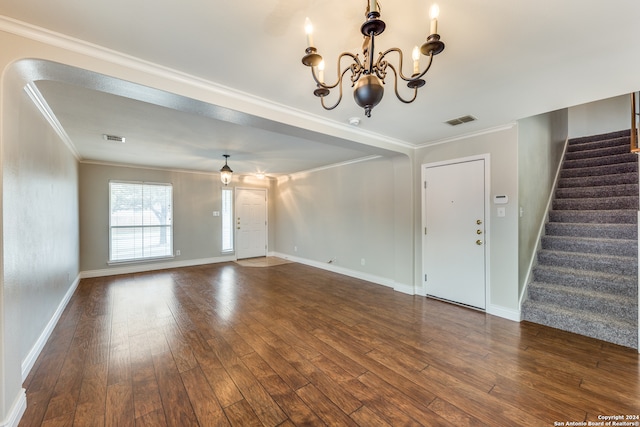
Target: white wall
(594, 118)
(196, 232)
(501, 145)
(40, 243)
(348, 214)
(541, 141)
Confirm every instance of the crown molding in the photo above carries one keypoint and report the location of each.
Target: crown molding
(47, 113)
(82, 47)
(468, 135)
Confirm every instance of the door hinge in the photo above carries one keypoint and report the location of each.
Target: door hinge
(425, 185)
(425, 277)
(425, 231)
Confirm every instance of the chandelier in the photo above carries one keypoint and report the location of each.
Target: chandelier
(367, 75)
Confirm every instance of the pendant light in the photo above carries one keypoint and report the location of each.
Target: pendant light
(226, 172)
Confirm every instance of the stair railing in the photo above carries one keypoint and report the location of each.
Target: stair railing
(634, 127)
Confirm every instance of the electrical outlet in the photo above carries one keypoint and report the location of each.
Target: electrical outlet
(363, 261)
(178, 252)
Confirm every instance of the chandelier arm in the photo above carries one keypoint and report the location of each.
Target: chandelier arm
(355, 68)
(395, 87)
(340, 79)
(402, 76)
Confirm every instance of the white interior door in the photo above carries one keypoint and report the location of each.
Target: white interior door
(454, 235)
(251, 223)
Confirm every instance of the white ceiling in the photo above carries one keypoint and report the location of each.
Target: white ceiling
(504, 60)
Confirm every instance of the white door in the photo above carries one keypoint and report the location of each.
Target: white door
(251, 223)
(454, 234)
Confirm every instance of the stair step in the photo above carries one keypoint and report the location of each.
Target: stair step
(605, 231)
(597, 151)
(603, 137)
(586, 277)
(583, 323)
(620, 247)
(589, 262)
(603, 191)
(618, 307)
(616, 159)
(593, 280)
(621, 168)
(616, 216)
(602, 203)
(597, 180)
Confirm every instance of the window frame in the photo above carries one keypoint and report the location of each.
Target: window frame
(143, 227)
(227, 221)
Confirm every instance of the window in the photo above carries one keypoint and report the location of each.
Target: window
(140, 221)
(227, 220)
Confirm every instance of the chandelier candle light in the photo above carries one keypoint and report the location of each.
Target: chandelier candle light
(368, 76)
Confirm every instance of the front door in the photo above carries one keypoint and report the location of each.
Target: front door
(454, 232)
(251, 223)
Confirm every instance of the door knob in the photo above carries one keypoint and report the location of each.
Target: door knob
(478, 231)
(478, 242)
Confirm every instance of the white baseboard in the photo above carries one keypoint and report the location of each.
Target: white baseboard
(400, 287)
(17, 410)
(404, 288)
(33, 354)
(140, 268)
(505, 313)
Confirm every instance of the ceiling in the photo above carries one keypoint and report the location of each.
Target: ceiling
(503, 61)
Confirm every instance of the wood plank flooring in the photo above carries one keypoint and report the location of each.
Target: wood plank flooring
(227, 345)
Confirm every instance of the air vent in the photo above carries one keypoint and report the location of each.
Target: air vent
(113, 138)
(461, 120)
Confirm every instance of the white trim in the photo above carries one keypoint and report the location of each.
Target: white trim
(32, 32)
(504, 312)
(487, 218)
(542, 227)
(331, 166)
(404, 288)
(141, 268)
(468, 135)
(492, 309)
(17, 410)
(347, 272)
(33, 354)
(42, 105)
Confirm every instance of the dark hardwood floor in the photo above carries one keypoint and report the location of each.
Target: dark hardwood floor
(287, 345)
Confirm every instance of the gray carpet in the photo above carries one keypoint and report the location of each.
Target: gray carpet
(586, 277)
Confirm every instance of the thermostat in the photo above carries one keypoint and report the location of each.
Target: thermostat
(500, 199)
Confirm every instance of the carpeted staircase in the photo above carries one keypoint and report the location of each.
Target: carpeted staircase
(586, 277)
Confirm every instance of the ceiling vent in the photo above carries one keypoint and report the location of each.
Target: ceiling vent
(113, 138)
(461, 120)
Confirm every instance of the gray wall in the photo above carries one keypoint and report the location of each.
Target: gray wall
(501, 145)
(196, 232)
(607, 115)
(541, 141)
(345, 214)
(40, 243)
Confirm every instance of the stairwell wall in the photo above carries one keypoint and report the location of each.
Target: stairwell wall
(603, 116)
(541, 142)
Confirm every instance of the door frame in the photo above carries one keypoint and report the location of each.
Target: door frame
(487, 219)
(266, 216)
